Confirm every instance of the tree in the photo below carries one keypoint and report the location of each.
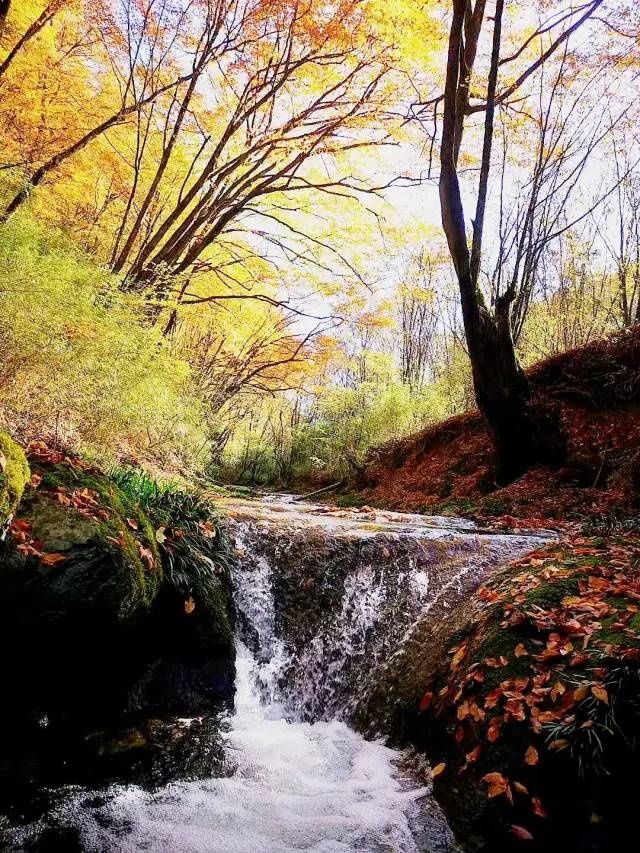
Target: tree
(501, 387)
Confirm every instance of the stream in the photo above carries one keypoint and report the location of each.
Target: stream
(326, 600)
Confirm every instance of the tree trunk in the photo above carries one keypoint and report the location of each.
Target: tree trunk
(504, 397)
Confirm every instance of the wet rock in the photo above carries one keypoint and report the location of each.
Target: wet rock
(95, 634)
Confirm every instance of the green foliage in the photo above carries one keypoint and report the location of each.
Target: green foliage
(14, 475)
(191, 542)
(78, 363)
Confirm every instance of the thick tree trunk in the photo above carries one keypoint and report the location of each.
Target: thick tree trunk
(504, 398)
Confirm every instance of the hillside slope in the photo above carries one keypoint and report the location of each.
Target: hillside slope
(595, 391)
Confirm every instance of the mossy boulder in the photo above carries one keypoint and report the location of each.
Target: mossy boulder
(534, 712)
(14, 476)
(96, 633)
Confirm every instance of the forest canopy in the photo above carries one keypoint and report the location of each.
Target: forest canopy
(220, 220)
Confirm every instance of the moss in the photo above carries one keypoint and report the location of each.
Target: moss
(14, 476)
(549, 595)
(124, 531)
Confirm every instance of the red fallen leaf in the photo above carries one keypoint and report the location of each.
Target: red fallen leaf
(492, 698)
(21, 525)
(133, 524)
(520, 651)
(537, 808)
(557, 690)
(521, 833)
(438, 770)
(578, 660)
(52, 559)
(493, 732)
(425, 702)
(600, 693)
(531, 756)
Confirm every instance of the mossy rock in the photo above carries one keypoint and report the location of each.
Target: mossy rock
(535, 709)
(77, 505)
(97, 628)
(14, 476)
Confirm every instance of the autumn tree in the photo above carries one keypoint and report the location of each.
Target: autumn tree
(501, 387)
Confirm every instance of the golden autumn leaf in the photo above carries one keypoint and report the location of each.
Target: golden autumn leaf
(438, 770)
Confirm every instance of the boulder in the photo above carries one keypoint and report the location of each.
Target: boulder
(98, 636)
(531, 716)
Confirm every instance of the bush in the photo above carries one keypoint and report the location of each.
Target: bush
(79, 365)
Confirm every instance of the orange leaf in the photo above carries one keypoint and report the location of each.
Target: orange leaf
(520, 651)
(531, 756)
(438, 770)
(497, 784)
(52, 559)
(600, 693)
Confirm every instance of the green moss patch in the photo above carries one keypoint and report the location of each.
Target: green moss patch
(14, 476)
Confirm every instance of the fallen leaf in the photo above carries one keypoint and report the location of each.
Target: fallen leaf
(473, 755)
(161, 535)
(438, 770)
(531, 756)
(521, 833)
(425, 702)
(537, 808)
(147, 556)
(497, 784)
(600, 693)
(3, 462)
(133, 524)
(189, 605)
(52, 559)
(520, 651)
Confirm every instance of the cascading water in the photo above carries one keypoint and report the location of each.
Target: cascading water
(326, 599)
(324, 603)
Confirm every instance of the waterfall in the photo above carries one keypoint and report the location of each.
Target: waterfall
(325, 601)
(324, 604)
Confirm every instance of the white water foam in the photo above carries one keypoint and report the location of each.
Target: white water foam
(296, 787)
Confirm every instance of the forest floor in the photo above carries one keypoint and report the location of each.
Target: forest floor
(594, 391)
